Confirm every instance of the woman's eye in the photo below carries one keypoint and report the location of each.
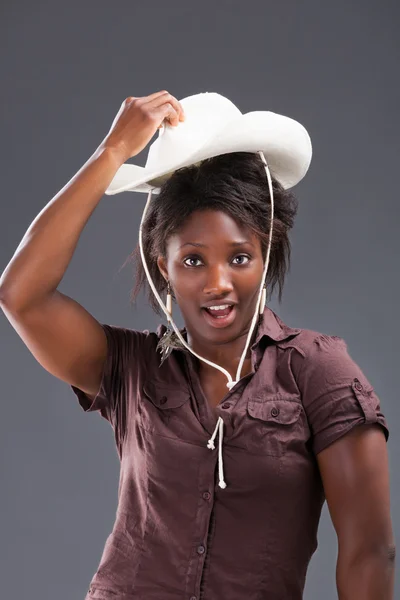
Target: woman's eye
(190, 258)
(194, 258)
(243, 256)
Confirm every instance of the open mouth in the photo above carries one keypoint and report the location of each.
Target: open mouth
(221, 317)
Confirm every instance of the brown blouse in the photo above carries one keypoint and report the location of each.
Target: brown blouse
(178, 534)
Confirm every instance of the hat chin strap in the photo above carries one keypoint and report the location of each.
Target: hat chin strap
(259, 309)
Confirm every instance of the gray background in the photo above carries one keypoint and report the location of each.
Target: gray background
(65, 68)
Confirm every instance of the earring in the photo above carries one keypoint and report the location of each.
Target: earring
(168, 341)
(263, 298)
(169, 301)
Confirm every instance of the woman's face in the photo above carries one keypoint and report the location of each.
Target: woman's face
(213, 260)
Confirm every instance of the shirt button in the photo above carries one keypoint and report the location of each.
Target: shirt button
(206, 495)
(226, 405)
(163, 400)
(274, 411)
(200, 549)
(358, 385)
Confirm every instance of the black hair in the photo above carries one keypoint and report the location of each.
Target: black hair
(235, 183)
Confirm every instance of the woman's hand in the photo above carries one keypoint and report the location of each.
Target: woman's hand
(137, 121)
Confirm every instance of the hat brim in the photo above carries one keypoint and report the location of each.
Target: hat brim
(284, 142)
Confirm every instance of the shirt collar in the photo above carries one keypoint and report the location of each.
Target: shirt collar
(272, 326)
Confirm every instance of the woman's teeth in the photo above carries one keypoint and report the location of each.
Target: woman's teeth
(219, 312)
(219, 307)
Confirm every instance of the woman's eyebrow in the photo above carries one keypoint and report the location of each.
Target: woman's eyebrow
(199, 245)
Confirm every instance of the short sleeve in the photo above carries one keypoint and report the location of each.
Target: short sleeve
(336, 394)
(125, 358)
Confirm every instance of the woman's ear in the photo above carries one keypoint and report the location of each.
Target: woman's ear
(161, 263)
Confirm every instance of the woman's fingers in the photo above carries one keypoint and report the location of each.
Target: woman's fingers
(175, 112)
(139, 118)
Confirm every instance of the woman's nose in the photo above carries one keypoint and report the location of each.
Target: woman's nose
(218, 281)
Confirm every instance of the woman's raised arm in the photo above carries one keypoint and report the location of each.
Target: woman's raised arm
(65, 339)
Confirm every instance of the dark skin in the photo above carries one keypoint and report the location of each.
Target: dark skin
(218, 271)
(354, 469)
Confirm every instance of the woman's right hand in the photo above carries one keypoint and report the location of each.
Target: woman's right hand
(137, 121)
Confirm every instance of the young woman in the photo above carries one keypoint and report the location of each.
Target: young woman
(298, 421)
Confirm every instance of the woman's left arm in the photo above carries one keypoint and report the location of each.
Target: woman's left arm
(355, 475)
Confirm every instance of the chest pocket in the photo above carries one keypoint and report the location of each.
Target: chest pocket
(274, 424)
(161, 409)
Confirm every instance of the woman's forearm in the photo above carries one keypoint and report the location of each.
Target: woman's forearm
(41, 259)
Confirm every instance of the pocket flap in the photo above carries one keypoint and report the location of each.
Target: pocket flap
(165, 398)
(284, 412)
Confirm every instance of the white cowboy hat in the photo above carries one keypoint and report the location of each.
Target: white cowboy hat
(214, 126)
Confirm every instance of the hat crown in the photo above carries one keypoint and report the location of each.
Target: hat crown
(206, 113)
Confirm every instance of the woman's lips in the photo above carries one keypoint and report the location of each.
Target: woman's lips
(222, 321)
